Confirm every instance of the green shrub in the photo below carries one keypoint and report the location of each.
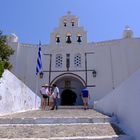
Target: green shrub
(1, 68)
(5, 51)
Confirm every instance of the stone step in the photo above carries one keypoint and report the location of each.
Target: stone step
(74, 107)
(113, 137)
(61, 131)
(62, 124)
(71, 107)
(52, 120)
(55, 116)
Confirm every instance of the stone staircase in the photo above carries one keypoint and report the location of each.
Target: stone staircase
(66, 123)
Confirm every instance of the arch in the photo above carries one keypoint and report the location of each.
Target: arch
(79, 34)
(70, 86)
(69, 74)
(68, 34)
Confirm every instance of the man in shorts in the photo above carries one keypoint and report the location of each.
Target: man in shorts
(56, 97)
(85, 97)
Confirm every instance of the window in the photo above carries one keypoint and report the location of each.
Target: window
(67, 61)
(77, 60)
(58, 63)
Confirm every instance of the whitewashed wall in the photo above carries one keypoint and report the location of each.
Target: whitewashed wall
(15, 96)
(114, 60)
(124, 102)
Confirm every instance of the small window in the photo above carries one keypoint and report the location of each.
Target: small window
(67, 61)
(58, 63)
(77, 60)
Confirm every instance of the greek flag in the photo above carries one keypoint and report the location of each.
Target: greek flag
(39, 61)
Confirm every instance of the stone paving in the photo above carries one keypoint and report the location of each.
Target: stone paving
(60, 113)
(47, 131)
(55, 116)
(58, 130)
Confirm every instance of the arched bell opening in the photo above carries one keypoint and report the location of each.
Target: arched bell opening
(68, 38)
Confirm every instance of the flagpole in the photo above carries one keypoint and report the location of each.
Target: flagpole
(36, 92)
(39, 72)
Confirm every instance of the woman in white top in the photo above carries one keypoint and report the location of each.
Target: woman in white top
(45, 94)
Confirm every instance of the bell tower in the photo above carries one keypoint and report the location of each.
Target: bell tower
(68, 32)
(127, 33)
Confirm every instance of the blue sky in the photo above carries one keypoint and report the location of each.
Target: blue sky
(34, 20)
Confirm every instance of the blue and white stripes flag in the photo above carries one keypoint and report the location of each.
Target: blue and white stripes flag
(39, 61)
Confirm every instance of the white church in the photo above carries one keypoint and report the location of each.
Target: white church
(72, 63)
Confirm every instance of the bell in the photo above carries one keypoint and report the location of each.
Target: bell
(57, 39)
(68, 39)
(72, 23)
(65, 24)
(79, 39)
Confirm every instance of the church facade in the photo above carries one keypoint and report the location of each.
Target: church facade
(72, 63)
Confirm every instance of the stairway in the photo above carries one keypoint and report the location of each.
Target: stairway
(66, 123)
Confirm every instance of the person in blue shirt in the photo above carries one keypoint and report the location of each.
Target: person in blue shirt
(85, 97)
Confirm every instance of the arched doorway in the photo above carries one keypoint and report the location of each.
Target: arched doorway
(68, 97)
(70, 86)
